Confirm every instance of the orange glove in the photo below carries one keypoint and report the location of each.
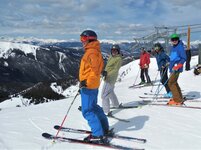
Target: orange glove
(177, 67)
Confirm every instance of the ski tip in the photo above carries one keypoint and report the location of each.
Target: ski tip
(56, 126)
(46, 135)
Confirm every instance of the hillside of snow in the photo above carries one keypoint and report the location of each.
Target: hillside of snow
(164, 127)
(7, 47)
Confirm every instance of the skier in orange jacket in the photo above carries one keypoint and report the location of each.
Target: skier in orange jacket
(91, 67)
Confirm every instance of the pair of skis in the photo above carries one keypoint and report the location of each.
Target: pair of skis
(79, 131)
(191, 95)
(149, 99)
(142, 85)
(110, 115)
(149, 102)
(121, 106)
(162, 98)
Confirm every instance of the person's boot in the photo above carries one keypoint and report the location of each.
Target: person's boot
(96, 139)
(109, 114)
(121, 105)
(142, 82)
(149, 83)
(168, 95)
(109, 133)
(173, 103)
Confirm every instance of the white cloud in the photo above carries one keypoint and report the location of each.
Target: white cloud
(115, 18)
(194, 3)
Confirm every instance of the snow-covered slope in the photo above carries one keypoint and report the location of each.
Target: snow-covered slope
(7, 47)
(163, 127)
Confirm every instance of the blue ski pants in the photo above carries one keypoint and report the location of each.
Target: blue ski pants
(93, 113)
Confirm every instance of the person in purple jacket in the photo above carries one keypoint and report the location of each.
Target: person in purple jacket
(177, 59)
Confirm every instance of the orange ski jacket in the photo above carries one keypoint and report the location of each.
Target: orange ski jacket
(91, 65)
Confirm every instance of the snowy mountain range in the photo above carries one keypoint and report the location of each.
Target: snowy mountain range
(24, 63)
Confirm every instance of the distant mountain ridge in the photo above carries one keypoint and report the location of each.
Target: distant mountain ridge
(26, 62)
(22, 65)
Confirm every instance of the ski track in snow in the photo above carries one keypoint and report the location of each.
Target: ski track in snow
(35, 125)
(3, 146)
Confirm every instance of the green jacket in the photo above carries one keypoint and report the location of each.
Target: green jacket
(112, 68)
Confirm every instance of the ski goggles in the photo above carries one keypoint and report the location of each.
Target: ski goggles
(84, 39)
(114, 49)
(174, 39)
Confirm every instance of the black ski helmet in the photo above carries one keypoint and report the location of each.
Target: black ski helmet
(116, 47)
(143, 48)
(158, 45)
(88, 35)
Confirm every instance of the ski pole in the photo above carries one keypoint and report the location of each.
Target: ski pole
(136, 76)
(66, 115)
(162, 76)
(162, 87)
(154, 81)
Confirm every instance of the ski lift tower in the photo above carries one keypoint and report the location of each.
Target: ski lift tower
(161, 32)
(166, 34)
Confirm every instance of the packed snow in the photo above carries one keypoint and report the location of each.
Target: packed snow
(163, 127)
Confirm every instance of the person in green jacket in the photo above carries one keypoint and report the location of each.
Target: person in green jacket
(110, 75)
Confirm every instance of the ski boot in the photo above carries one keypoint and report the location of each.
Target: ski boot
(149, 83)
(141, 83)
(121, 105)
(173, 103)
(168, 95)
(109, 133)
(109, 114)
(96, 139)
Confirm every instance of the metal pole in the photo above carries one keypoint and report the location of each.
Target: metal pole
(154, 81)
(136, 76)
(66, 116)
(199, 57)
(188, 38)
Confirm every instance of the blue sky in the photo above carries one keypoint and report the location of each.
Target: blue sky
(111, 19)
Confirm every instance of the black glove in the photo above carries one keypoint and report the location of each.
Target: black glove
(104, 74)
(83, 84)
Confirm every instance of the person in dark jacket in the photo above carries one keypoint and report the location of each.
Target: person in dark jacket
(163, 61)
(177, 59)
(144, 66)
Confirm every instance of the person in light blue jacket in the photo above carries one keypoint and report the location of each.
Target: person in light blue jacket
(177, 59)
